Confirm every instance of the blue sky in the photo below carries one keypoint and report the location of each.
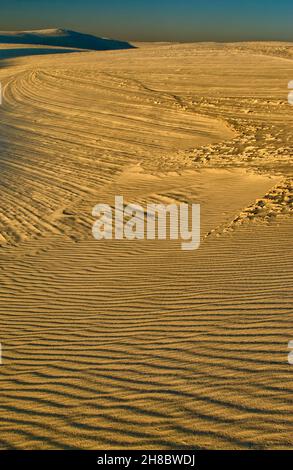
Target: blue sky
(160, 20)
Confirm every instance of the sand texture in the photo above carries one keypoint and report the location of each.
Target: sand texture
(138, 344)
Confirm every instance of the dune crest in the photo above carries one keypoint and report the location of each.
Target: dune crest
(62, 38)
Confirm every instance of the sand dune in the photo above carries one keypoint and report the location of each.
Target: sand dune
(62, 38)
(138, 344)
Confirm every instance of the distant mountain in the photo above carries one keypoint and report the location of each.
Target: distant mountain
(62, 38)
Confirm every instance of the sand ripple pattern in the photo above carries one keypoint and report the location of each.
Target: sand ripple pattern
(133, 344)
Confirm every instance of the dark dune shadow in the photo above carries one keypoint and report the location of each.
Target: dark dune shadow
(63, 38)
(13, 53)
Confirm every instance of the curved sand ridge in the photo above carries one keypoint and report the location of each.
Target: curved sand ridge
(137, 344)
(88, 126)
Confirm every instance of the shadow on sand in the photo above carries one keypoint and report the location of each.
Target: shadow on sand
(22, 52)
(63, 38)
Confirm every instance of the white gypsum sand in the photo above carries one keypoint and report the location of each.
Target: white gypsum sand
(138, 344)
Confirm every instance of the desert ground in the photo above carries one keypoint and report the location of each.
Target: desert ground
(138, 344)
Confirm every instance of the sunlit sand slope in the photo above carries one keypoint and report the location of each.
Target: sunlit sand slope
(138, 344)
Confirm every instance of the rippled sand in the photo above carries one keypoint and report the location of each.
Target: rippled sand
(138, 344)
